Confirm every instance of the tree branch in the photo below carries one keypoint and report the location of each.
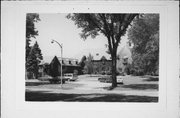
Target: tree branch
(102, 16)
(110, 45)
(112, 31)
(122, 29)
(97, 25)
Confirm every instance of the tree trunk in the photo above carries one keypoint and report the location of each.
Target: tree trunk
(36, 72)
(26, 76)
(36, 75)
(114, 80)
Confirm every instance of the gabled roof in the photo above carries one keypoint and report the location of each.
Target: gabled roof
(68, 61)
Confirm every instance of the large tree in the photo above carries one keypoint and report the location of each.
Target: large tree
(144, 35)
(112, 26)
(31, 32)
(33, 60)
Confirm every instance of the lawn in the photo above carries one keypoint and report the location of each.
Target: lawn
(45, 96)
(89, 89)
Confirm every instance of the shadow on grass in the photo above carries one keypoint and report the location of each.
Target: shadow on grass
(141, 86)
(44, 96)
(152, 79)
(66, 86)
(94, 76)
(36, 83)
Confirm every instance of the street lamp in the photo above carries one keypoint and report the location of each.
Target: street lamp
(60, 45)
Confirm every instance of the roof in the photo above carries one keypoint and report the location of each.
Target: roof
(68, 61)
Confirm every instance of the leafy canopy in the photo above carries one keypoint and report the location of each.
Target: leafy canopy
(31, 32)
(144, 35)
(113, 26)
(82, 62)
(33, 53)
(34, 59)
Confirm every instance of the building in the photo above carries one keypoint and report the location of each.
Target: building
(69, 65)
(44, 66)
(102, 66)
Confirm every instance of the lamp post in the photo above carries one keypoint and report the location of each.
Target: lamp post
(60, 45)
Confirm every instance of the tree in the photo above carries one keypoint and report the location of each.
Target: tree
(47, 68)
(89, 64)
(33, 60)
(112, 26)
(144, 35)
(82, 62)
(31, 32)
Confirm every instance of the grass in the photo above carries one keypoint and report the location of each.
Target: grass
(37, 83)
(151, 78)
(66, 86)
(45, 96)
(141, 86)
(50, 92)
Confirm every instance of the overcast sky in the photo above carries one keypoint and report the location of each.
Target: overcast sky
(63, 30)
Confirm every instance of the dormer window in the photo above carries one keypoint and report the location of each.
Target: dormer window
(69, 62)
(77, 62)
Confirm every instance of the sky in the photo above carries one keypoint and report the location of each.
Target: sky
(58, 27)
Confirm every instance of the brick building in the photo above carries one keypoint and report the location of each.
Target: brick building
(101, 66)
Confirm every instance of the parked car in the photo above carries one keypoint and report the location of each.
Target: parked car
(119, 80)
(71, 76)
